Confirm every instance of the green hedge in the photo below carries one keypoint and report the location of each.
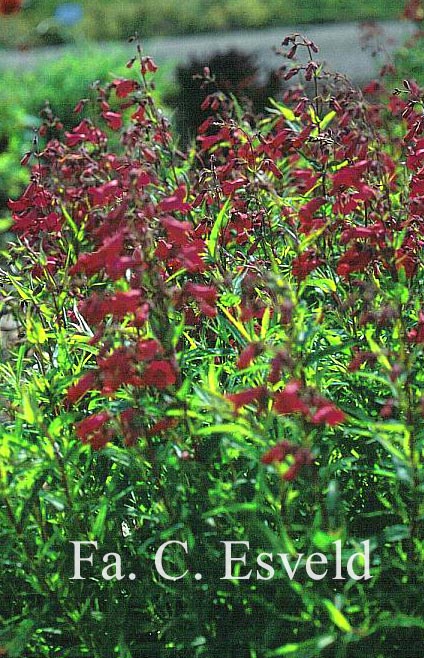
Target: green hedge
(117, 20)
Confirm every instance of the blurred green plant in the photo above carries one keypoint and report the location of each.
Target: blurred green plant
(117, 20)
(409, 60)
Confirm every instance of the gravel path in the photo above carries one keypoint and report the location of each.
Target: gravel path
(339, 45)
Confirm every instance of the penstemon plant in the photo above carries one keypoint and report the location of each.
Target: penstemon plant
(221, 349)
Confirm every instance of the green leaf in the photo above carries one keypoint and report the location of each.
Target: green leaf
(35, 332)
(327, 119)
(401, 621)
(399, 292)
(5, 224)
(22, 635)
(324, 284)
(219, 224)
(229, 299)
(324, 540)
(337, 617)
(99, 523)
(286, 112)
(308, 649)
(29, 408)
(53, 500)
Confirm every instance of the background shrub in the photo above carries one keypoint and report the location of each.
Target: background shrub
(233, 72)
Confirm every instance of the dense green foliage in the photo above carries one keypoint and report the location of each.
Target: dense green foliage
(117, 20)
(219, 345)
(409, 61)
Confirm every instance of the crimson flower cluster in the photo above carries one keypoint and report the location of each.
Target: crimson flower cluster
(159, 254)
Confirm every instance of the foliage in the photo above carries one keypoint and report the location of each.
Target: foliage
(224, 345)
(117, 20)
(409, 60)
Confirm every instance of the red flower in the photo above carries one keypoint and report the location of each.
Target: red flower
(175, 202)
(177, 232)
(118, 369)
(248, 354)
(92, 309)
(92, 430)
(84, 132)
(106, 257)
(122, 303)
(191, 256)
(414, 10)
(373, 87)
(124, 87)
(372, 233)
(86, 383)
(328, 414)
(39, 271)
(141, 315)
(162, 426)
(160, 374)
(306, 215)
(280, 360)
(349, 176)
(113, 119)
(417, 335)
(104, 194)
(288, 400)
(148, 65)
(205, 297)
(305, 263)
(359, 358)
(408, 260)
(356, 259)
(148, 349)
(139, 114)
(239, 400)
(10, 6)
(230, 186)
(277, 454)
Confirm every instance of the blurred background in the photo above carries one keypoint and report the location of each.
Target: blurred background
(52, 50)
(46, 22)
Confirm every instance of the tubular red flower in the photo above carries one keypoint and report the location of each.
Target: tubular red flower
(161, 426)
(328, 414)
(160, 374)
(175, 202)
(88, 382)
(277, 454)
(92, 430)
(113, 120)
(128, 419)
(124, 87)
(242, 398)
(148, 349)
(288, 400)
(249, 353)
